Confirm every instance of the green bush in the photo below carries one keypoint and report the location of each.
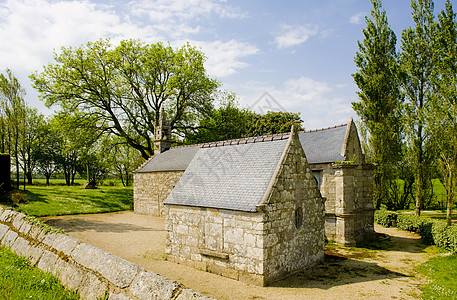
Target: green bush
(422, 226)
(385, 218)
(407, 222)
(445, 236)
(431, 231)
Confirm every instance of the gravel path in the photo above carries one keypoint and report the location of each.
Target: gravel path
(348, 273)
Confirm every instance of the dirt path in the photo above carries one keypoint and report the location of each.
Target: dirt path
(384, 270)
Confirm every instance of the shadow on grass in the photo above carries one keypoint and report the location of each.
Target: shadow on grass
(78, 225)
(336, 271)
(109, 200)
(34, 197)
(402, 244)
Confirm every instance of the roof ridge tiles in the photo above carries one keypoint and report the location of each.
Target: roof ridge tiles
(254, 139)
(247, 140)
(327, 128)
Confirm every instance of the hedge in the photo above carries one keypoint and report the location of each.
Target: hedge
(432, 232)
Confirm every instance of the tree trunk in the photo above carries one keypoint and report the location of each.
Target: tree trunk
(66, 173)
(449, 196)
(29, 177)
(47, 179)
(17, 170)
(419, 174)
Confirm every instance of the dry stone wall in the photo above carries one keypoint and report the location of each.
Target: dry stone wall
(151, 189)
(84, 268)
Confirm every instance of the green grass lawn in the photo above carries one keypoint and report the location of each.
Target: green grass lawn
(19, 280)
(438, 215)
(441, 275)
(67, 200)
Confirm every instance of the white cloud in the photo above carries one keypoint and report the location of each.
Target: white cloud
(161, 10)
(224, 58)
(357, 18)
(175, 18)
(319, 102)
(294, 35)
(32, 29)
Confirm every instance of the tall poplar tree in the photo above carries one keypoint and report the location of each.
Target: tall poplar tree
(416, 59)
(379, 96)
(443, 109)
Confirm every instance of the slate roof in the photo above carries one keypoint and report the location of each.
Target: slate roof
(320, 146)
(324, 145)
(174, 159)
(232, 177)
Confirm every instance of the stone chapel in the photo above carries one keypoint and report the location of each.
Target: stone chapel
(334, 156)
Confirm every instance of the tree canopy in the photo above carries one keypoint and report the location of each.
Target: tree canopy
(124, 88)
(229, 121)
(379, 96)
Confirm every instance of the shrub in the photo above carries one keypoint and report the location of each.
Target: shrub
(385, 218)
(18, 197)
(407, 222)
(431, 231)
(445, 236)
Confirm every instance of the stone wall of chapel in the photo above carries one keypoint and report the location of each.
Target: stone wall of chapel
(151, 189)
(224, 242)
(285, 236)
(349, 202)
(294, 219)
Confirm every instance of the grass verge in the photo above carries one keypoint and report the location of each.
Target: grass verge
(68, 200)
(441, 273)
(19, 280)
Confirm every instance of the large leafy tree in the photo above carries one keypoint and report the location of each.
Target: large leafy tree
(442, 115)
(272, 123)
(417, 65)
(231, 122)
(379, 97)
(128, 85)
(226, 122)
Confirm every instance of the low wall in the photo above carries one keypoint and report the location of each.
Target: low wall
(84, 268)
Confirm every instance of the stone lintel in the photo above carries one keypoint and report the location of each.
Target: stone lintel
(343, 215)
(213, 253)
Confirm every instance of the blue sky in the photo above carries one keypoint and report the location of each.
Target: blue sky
(299, 52)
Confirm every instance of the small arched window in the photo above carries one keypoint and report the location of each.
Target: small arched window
(298, 218)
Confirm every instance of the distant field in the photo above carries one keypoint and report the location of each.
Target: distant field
(59, 199)
(438, 215)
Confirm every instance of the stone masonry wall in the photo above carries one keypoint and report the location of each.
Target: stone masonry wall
(260, 247)
(224, 242)
(84, 268)
(349, 206)
(294, 219)
(151, 189)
